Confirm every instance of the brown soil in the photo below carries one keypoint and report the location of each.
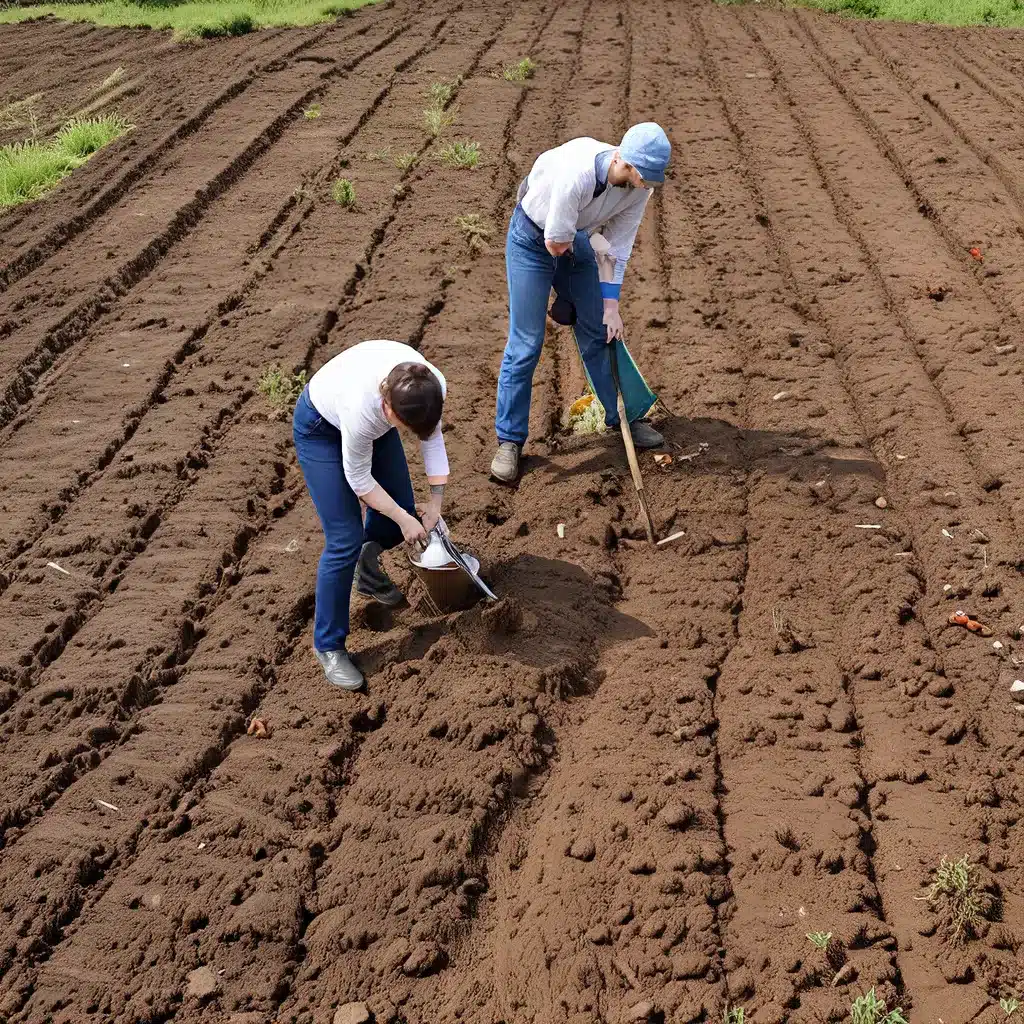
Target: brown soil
(631, 790)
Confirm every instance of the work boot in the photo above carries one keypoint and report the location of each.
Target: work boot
(340, 669)
(505, 465)
(644, 435)
(372, 580)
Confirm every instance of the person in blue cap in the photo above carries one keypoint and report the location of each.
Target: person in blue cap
(576, 189)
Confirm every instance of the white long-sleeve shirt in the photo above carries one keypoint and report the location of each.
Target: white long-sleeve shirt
(560, 199)
(346, 392)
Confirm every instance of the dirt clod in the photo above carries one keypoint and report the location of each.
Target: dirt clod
(352, 1013)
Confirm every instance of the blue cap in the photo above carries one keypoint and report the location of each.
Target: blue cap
(647, 148)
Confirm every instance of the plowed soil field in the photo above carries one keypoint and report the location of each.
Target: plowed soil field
(631, 789)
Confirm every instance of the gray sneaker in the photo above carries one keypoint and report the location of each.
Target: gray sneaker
(372, 580)
(340, 670)
(644, 435)
(505, 464)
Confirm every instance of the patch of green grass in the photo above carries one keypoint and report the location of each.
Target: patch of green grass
(1006, 13)
(201, 19)
(29, 169)
(520, 71)
(869, 1009)
(1009, 1006)
(312, 112)
(820, 939)
(959, 896)
(281, 389)
(343, 192)
(735, 1015)
(406, 161)
(464, 155)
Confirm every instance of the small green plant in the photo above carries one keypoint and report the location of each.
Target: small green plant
(520, 71)
(440, 93)
(463, 155)
(437, 116)
(960, 897)
(343, 192)
(735, 1015)
(436, 119)
(406, 161)
(1009, 1006)
(282, 389)
(820, 939)
(312, 112)
(475, 230)
(380, 154)
(869, 1009)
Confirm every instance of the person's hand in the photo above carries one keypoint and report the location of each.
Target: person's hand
(557, 248)
(431, 514)
(412, 530)
(612, 320)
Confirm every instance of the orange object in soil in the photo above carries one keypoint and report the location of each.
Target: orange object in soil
(961, 618)
(976, 253)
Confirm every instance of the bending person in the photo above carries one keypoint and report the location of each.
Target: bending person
(346, 429)
(572, 191)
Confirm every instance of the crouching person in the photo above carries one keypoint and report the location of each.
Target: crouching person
(347, 428)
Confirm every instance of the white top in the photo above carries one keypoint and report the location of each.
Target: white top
(346, 392)
(560, 198)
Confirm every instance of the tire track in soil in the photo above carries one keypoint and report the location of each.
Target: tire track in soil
(304, 346)
(913, 669)
(180, 396)
(24, 367)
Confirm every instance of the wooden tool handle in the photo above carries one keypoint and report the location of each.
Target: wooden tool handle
(627, 440)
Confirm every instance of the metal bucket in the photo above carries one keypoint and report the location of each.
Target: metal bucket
(448, 586)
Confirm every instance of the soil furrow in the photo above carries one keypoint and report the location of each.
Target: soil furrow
(190, 399)
(948, 98)
(941, 333)
(39, 251)
(868, 389)
(23, 368)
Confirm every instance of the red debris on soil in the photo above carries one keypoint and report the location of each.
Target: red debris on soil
(632, 788)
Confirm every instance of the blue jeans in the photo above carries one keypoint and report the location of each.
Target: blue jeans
(318, 446)
(532, 272)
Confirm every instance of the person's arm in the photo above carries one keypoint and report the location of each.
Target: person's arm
(357, 459)
(435, 462)
(567, 192)
(620, 230)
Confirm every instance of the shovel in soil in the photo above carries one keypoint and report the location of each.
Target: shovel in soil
(634, 464)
